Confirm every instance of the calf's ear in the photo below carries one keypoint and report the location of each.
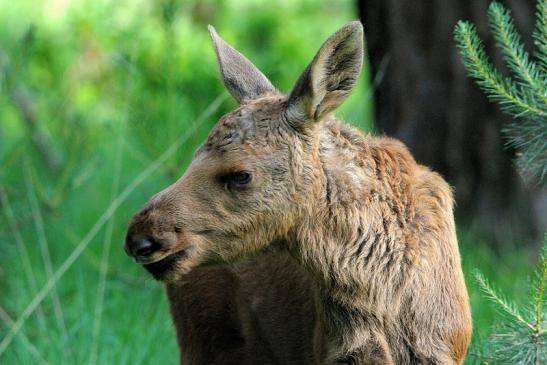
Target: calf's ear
(329, 78)
(242, 79)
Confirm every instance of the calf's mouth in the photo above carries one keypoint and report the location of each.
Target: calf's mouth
(160, 268)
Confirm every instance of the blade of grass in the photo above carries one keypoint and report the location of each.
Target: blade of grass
(23, 255)
(103, 270)
(5, 317)
(95, 262)
(46, 256)
(110, 210)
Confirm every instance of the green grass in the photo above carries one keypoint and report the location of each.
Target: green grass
(114, 84)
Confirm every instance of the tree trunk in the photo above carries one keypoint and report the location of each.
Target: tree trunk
(424, 97)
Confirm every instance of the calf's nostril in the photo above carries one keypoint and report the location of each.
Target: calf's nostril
(145, 247)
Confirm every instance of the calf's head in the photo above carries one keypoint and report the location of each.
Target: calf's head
(246, 185)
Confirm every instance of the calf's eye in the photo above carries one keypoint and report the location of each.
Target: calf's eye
(239, 179)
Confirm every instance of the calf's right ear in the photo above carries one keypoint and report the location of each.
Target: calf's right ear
(329, 78)
(242, 79)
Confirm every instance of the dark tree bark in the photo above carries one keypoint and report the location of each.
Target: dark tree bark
(424, 97)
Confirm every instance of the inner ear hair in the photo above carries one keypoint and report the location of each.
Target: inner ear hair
(331, 75)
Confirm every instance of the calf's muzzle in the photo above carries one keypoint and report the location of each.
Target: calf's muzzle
(145, 237)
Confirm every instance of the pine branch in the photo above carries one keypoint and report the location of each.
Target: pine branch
(506, 307)
(529, 137)
(513, 51)
(522, 337)
(527, 99)
(540, 34)
(516, 340)
(498, 88)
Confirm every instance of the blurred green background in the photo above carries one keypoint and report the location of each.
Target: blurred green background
(92, 93)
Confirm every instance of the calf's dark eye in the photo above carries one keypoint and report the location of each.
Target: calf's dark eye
(238, 179)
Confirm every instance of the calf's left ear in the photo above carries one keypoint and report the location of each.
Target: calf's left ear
(329, 78)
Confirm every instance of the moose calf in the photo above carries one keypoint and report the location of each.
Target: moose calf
(370, 231)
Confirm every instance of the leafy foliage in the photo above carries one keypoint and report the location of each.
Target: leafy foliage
(525, 95)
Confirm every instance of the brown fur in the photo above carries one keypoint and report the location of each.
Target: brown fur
(373, 229)
(259, 312)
